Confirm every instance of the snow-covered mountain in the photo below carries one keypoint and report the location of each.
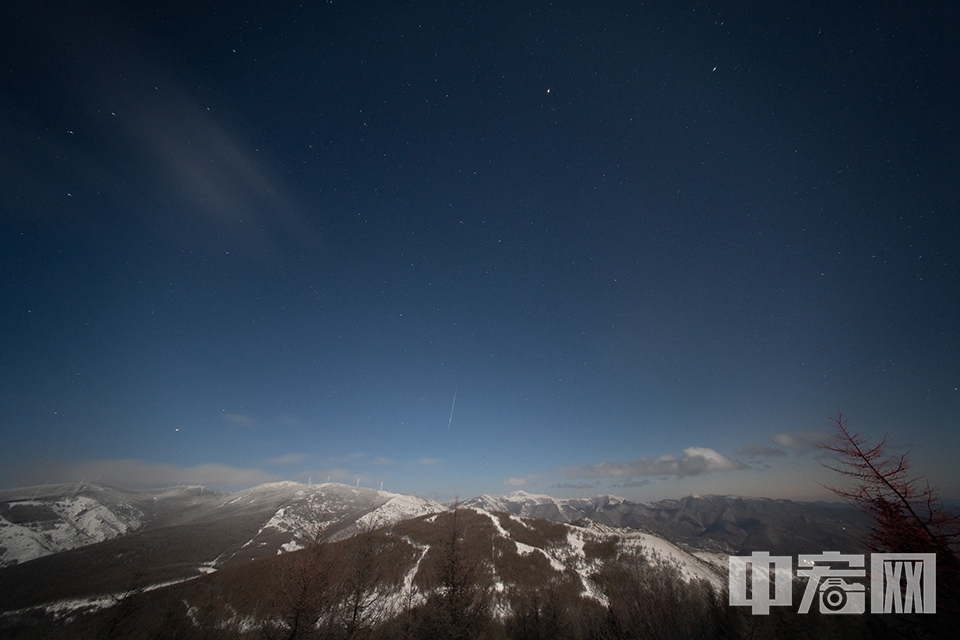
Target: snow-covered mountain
(570, 553)
(78, 553)
(507, 558)
(301, 512)
(40, 521)
(726, 524)
(531, 505)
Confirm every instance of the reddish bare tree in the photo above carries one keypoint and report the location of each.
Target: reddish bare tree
(907, 512)
(909, 516)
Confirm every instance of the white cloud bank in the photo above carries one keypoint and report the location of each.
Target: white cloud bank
(695, 461)
(138, 474)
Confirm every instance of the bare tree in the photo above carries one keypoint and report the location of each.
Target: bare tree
(125, 608)
(126, 605)
(907, 512)
(459, 609)
(306, 592)
(541, 612)
(908, 515)
(358, 607)
(649, 598)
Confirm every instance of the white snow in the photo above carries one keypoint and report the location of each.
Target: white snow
(572, 556)
(81, 521)
(399, 507)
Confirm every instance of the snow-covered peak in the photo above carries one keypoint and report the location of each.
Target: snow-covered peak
(535, 497)
(284, 486)
(399, 507)
(534, 505)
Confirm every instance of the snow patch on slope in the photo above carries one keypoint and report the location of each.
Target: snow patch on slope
(34, 528)
(572, 555)
(399, 507)
(690, 565)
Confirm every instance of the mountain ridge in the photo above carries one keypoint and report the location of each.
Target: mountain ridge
(49, 519)
(190, 540)
(276, 517)
(720, 523)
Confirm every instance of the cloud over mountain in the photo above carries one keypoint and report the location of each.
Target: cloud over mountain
(695, 461)
(800, 442)
(139, 474)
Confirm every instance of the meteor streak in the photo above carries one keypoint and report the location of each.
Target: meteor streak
(452, 407)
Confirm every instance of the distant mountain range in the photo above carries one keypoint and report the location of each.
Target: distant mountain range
(726, 524)
(66, 548)
(41, 521)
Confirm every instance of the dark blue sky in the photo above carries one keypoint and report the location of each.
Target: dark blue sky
(650, 248)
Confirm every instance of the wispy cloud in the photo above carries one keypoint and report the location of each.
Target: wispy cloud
(428, 461)
(633, 484)
(753, 450)
(194, 172)
(800, 442)
(575, 485)
(528, 479)
(695, 461)
(796, 442)
(240, 420)
(291, 458)
(216, 173)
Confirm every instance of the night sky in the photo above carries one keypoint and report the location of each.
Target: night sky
(645, 249)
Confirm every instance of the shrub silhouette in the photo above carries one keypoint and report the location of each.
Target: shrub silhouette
(648, 597)
(458, 606)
